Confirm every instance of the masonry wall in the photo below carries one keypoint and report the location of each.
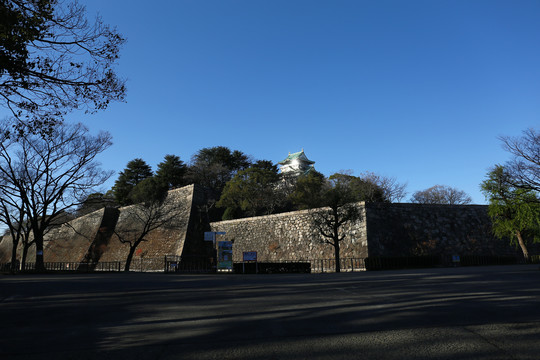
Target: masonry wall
(419, 229)
(93, 238)
(5, 249)
(168, 239)
(386, 230)
(72, 241)
(288, 236)
(69, 242)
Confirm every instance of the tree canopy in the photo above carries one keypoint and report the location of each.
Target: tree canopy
(524, 167)
(53, 61)
(136, 171)
(514, 211)
(211, 168)
(171, 171)
(152, 209)
(441, 194)
(251, 192)
(43, 178)
(339, 197)
(310, 189)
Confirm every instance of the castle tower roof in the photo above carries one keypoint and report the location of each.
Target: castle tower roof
(296, 164)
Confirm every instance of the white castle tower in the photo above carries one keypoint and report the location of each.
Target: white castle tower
(296, 164)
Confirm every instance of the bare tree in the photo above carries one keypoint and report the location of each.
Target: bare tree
(54, 60)
(340, 208)
(153, 210)
(524, 167)
(393, 190)
(12, 214)
(441, 194)
(45, 177)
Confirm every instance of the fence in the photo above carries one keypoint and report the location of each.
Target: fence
(329, 265)
(137, 264)
(189, 264)
(178, 264)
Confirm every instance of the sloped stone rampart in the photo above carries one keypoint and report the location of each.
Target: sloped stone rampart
(69, 242)
(91, 238)
(169, 239)
(288, 236)
(6, 246)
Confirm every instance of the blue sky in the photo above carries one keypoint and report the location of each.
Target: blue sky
(417, 90)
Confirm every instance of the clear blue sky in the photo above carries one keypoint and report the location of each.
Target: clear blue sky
(417, 90)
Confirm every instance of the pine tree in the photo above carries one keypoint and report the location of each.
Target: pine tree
(171, 172)
(136, 171)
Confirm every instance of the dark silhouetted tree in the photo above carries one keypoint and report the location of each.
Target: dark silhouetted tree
(393, 191)
(54, 61)
(44, 178)
(152, 209)
(252, 192)
(332, 204)
(524, 167)
(171, 171)
(211, 168)
(136, 171)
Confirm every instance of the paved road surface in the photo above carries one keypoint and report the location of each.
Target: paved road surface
(457, 313)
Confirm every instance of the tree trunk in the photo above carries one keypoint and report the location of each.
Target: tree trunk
(336, 241)
(523, 246)
(40, 262)
(129, 258)
(24, 256)
(14, 265)
(337, 255)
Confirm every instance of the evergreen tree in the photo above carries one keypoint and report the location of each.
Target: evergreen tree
(171, 171)
(514, 211)
(254, 191)
(212, 168)
(136, 171)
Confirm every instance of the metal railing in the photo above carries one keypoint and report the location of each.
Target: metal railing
(189, 264)
(178, 264)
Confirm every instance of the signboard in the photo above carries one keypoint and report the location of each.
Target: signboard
(250, 256)
(224, 255)
(209, 236)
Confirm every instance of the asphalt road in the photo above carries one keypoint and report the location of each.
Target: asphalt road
(456, 313)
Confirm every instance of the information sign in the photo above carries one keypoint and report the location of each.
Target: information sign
(250, 256)
(224, 254)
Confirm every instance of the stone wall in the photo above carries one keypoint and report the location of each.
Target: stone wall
(419, 229)
(5, 249)
(168, 239)
(72, 241)
(69, 242)
(385, 230)
(94, 238)
(288, 236)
